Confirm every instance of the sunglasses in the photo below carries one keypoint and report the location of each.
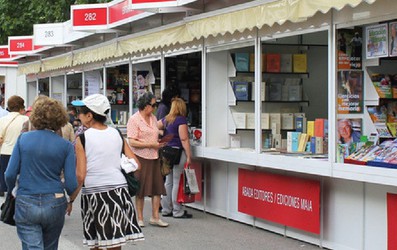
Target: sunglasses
(153, 104)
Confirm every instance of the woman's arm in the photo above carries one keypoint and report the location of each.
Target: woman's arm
(184, 137)
(13, 167)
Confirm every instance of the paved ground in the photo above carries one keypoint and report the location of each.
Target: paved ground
(204, 231)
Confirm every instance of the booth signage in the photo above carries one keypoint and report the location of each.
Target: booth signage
(20, 45)
(88, 17)
(4, 52)
(287, 200)
(391, 221)
(121, 11)
(154, 3)
(48, 34)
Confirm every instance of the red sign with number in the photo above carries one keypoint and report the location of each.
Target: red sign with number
(121, 11)
(4, 53)
(287, 200)
(20, 45)
(90, 16)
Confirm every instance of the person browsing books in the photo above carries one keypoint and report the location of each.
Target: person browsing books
(176, 123)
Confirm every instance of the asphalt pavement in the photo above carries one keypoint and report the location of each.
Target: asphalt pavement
(203, 231)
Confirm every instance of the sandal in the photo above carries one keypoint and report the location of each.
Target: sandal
(185, 215)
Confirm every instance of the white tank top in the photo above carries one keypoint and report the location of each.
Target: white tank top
(103, 152)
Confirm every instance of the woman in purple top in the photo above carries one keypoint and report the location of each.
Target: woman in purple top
(175, 123)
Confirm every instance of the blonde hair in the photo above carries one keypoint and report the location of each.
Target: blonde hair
(178, 108)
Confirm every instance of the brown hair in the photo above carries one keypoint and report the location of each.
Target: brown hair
(15, 103)
(178, 108)
(48, 113)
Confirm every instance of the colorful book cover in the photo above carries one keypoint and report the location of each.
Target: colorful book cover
(300, 63)
(319, 127)
(349, 130)
(252, 62)
(382, 84)
(273, 63)
(310, 128)
(242, 90)
(313, 145)
(242, 61)
(378, 114)
(350, 92)
(392, 111)
(300, 124)
(392, 126)
(319, 145)
(295, 141)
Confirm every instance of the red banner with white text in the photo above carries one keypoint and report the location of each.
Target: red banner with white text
(287, 200)
(391, 221)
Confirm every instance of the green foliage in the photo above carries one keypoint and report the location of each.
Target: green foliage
(17, 17)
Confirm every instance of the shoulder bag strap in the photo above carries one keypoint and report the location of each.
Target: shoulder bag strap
(5, 129)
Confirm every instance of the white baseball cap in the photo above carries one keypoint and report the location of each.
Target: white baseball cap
(97, 103)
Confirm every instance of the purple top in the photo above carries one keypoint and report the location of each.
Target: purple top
(173, 128)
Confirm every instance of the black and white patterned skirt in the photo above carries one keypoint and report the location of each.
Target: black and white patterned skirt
(109, 219)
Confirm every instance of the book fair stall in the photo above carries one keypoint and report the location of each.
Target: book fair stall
(292, 108)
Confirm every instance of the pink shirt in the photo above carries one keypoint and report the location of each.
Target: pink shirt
(138, 129)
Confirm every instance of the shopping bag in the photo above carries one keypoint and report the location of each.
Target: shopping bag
(182, 197)
(191, 185)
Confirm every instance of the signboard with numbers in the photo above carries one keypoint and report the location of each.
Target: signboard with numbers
(89, 16)
(20, 45)
(158, 3)
(4, 52)
(48, 34)
(121, 12)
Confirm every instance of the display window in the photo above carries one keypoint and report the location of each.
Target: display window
(366, 95)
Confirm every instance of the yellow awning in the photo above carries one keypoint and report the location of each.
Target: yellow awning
(98, 53)
(155, 40)
(266, 14)
(240, 20)
(57, 62)
(29, 68)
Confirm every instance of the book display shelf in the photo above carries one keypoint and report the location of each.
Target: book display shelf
(284, 124)
(117, 91)
(74, 87)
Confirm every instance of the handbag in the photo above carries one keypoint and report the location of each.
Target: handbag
(165, 166)
(191, 185)
(171, 154)
(132, 182)
(8, 210)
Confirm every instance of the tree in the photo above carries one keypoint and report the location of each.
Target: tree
(17, 17)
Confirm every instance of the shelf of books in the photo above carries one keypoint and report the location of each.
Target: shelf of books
(367, 118)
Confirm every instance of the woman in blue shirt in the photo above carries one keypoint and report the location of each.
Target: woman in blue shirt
(39, 157)
(175, 123)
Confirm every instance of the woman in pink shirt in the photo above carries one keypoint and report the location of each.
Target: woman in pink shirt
(143, 137)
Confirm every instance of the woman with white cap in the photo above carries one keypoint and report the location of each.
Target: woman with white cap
(109, 219)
